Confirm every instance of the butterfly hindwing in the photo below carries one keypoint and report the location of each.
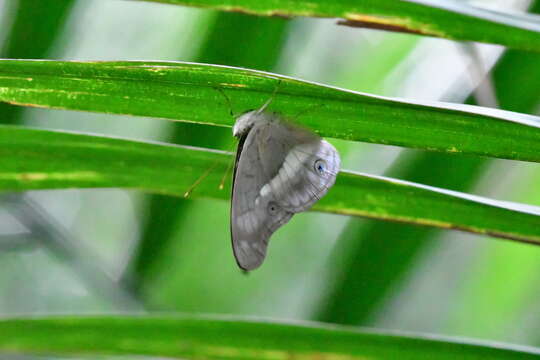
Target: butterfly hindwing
(306, 173)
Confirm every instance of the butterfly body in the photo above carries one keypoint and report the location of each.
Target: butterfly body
(280, 170)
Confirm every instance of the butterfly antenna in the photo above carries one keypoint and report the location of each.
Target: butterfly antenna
(269, 101)
(228, 101)
(222, 183)
(200, 179)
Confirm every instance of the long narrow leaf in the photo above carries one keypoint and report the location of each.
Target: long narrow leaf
(191, 337)
(39, 159)
(202, 93)
(442, 18)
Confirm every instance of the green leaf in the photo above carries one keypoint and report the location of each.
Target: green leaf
(198, 337)
(183, 91)
(38, 159)
(446, 19)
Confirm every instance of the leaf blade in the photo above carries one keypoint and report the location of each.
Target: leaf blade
(444, 19)
(39, 159)
(182, 91)
(208, 337)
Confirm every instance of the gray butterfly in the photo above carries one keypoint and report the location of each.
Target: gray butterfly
(280, 170)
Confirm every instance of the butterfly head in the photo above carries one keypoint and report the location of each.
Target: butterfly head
(245, 122)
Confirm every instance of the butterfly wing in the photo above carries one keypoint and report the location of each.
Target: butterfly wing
(254, 218)
(306, 173)
(280, 170)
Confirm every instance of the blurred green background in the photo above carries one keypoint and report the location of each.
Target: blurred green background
(109, 250)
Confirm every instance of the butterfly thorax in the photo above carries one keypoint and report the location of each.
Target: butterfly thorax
(245, 122)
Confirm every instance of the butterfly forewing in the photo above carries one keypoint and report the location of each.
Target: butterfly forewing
(253, 218)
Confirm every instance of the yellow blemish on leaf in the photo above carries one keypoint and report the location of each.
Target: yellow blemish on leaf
(391, 23)
(159, 69)
(246, 10)
(44, 176)
(381, 215)
(270, 354)
(33, 176)
(377, 19)
(453, 149)
(233, 85)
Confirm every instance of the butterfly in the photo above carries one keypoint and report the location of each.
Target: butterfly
(280, 170)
